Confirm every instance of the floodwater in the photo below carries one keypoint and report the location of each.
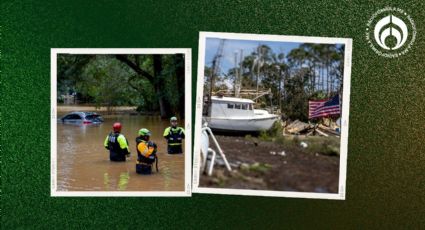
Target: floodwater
(83, 162)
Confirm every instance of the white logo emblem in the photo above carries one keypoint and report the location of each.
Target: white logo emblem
(400, 35)
(393, 32)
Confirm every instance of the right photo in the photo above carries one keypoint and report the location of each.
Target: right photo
(272, 115)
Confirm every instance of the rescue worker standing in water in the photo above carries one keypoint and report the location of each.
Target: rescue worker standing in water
(117, 144)
(174, 136)
(146, 152)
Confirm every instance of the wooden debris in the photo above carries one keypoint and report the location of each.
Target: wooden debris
(328, 130)
(297, 127)
(330, 123)
(321, 133)
(310, 133)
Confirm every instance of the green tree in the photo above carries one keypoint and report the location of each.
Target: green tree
(102, 79)
(153, 82)
(155, 69)
(295, 105)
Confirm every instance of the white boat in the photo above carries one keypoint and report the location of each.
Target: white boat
(238, 114)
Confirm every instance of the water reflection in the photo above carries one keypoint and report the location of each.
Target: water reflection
(83, 162)
(110, 183)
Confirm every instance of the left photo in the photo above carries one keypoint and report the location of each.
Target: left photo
(120, 122)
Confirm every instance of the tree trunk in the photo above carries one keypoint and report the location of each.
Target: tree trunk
(313, 82)
(327, 77)
(180, 74)
(164, 106)
(157, 80)
(280, 90)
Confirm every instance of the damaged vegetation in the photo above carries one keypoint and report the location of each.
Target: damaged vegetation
(311, 138)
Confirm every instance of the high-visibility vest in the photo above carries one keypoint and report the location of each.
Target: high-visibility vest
(174, 136)
(116, 142)
(146, 151)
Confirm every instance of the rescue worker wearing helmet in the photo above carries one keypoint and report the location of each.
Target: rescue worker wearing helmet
(146, 152)
(117, 144)
(174, 136)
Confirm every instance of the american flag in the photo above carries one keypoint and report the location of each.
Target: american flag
(324, 108)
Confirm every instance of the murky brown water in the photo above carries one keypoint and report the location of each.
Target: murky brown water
(83, 162)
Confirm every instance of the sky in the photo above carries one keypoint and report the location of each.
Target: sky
(248, 46)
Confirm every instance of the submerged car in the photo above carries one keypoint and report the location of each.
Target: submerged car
(82, 118)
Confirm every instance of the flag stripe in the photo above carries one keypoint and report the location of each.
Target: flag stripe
(326, 111)
(324, 108)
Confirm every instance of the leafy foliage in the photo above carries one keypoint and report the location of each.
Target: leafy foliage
(150, 82)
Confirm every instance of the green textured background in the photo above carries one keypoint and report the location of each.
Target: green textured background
(386, 156)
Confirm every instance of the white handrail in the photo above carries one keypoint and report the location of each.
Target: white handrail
(220, 151)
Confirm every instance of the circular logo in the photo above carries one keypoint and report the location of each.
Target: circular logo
(390, 32)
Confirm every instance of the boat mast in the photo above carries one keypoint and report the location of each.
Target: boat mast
(258, 70)
(240, 74)
(236, 73)
(259, 61)
(238, 69)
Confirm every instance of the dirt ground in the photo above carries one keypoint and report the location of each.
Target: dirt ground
(267, 165)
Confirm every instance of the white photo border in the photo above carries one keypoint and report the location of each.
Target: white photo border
(188, 122)
(348, 42)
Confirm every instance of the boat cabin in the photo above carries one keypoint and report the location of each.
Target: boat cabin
(231, 107)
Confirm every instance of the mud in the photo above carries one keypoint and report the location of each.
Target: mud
(271, 166)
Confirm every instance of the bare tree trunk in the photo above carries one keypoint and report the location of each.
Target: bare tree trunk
(314, 77)
(180, 74)
(258, 73)
(327, 77)
(323, 76)
(164, 106)
(280, 90)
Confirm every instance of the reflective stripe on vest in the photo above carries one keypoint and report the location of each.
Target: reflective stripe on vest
(175, 136)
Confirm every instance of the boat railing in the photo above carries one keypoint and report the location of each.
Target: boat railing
(210, 154)
(246, 93)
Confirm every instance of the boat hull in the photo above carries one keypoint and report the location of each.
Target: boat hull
(242, 124)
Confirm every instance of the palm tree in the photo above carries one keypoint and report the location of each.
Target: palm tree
(263, 56)
(281, 68)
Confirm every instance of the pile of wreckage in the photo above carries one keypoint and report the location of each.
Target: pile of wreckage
(327, 127)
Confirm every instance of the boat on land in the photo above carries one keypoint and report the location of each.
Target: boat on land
(233, 114)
